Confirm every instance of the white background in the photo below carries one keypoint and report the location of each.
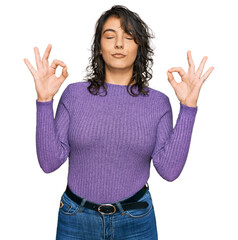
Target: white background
(202, 202)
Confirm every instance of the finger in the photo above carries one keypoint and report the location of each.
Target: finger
(180, 71)
(38, 59)
(201, 66)
(63, 75)
(172, 80)
(191, 68)
(30, 67)
(56, 62)
(46, 55)
(206, 75)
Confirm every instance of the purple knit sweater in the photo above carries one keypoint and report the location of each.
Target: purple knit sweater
(110, 140)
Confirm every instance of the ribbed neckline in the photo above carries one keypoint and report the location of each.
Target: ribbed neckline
(115, 85)
(112, 84)
(117, 90)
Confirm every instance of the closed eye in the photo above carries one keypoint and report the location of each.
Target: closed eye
(126, 38)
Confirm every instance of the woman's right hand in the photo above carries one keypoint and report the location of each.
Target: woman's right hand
(46, 83)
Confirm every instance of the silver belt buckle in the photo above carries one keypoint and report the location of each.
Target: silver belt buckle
(99, 208)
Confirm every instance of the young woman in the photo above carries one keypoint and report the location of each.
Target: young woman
(111, 138)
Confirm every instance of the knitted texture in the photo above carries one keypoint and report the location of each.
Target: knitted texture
(110, 140)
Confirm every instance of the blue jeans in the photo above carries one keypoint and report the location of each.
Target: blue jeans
(80, 223)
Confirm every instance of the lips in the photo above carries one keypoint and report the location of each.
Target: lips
(118, 55)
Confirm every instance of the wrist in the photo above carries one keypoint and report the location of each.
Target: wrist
(44, 100)
(190, 104)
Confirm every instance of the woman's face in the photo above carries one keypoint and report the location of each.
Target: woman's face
(115, 40)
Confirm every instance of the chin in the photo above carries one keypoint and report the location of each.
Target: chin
(119, 66)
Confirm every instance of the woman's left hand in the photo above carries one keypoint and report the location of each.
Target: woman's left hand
(188, 89)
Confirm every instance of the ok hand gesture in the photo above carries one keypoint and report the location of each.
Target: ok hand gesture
(46, 83)
(188, 89)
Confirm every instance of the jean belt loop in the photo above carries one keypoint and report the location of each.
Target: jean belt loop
(81, 206)
(123, 212)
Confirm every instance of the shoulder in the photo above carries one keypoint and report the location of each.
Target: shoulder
(158, 95)
(77, 85)
(72, 89)
(162, 101)
(76, 88)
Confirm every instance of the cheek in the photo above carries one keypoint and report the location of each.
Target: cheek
(134, 53)
(106, 45)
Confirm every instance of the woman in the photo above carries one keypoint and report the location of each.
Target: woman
(110, 139)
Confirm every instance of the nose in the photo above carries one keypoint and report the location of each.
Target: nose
(119, 43)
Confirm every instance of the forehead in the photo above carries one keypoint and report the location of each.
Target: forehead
(113, 23)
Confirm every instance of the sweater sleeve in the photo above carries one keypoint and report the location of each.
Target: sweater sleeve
(52, 144)
(172, 144)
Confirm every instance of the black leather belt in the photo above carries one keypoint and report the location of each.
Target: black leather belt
(108, 209)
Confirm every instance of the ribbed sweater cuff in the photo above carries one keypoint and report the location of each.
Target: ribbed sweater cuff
(188, 111)
(44, 106)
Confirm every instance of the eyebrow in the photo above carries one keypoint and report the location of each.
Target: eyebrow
(109, 29)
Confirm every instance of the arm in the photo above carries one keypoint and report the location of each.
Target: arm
(52, 134)
(172, 145)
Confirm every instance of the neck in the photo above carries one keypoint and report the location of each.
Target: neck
(118, 76)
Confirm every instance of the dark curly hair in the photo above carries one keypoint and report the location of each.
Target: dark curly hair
(134, 26)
